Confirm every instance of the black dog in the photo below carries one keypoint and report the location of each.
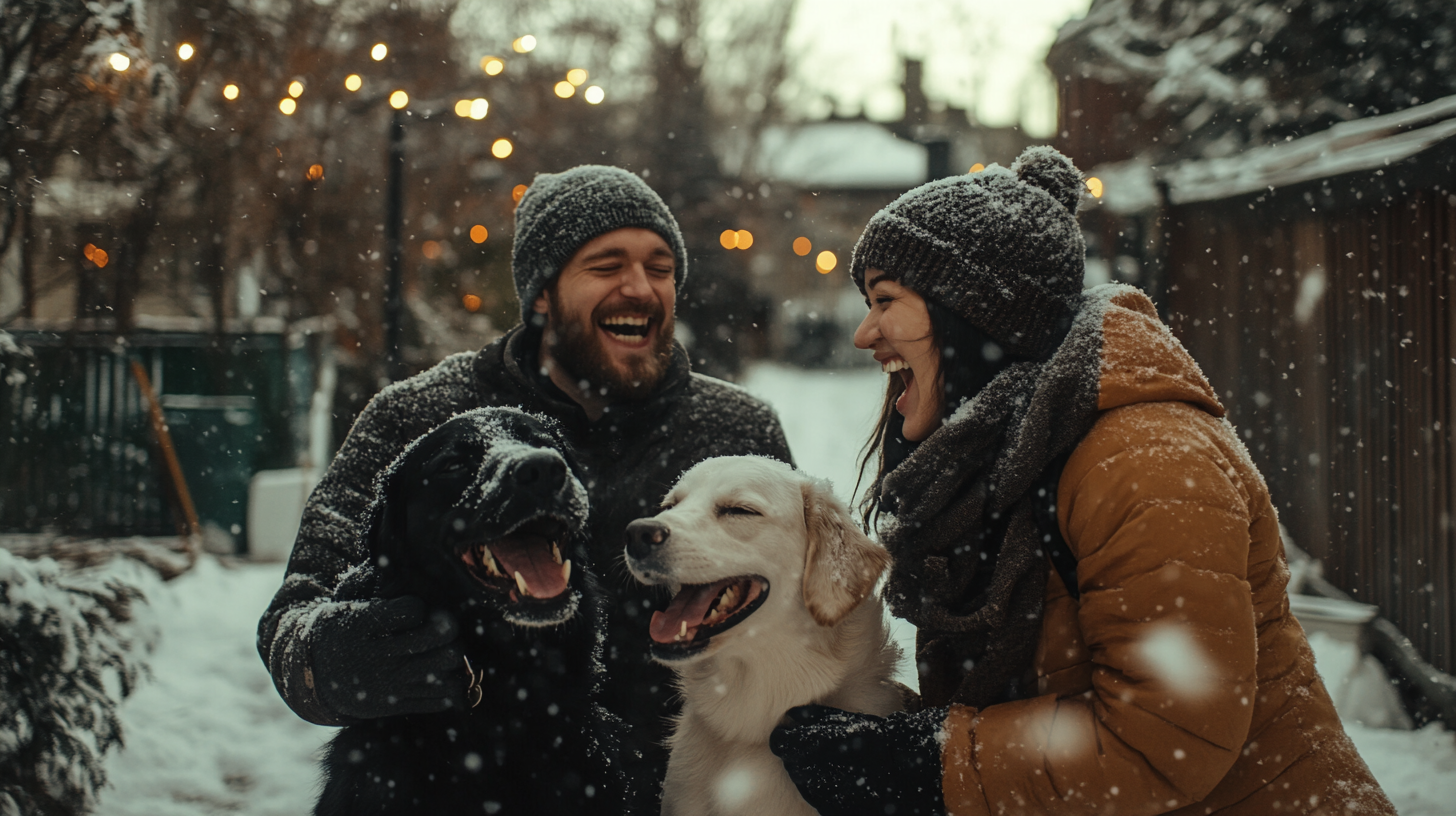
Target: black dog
(484, 517)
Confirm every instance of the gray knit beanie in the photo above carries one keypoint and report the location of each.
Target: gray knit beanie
(1000, 248)
(561, 211)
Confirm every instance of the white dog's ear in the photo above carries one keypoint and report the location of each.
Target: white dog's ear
(842, 563)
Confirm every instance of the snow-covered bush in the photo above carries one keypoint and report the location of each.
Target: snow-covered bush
(69, 653)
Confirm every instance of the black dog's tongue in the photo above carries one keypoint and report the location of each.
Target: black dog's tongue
(527, 560)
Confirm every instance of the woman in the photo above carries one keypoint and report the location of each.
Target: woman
(1091, 559)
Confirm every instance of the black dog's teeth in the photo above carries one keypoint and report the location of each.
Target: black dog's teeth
(487, 559)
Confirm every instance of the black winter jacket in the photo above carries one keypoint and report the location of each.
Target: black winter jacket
(630, 456)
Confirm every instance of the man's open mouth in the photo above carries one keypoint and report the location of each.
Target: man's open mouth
(700, 611)
(525, 564)
(630, 329)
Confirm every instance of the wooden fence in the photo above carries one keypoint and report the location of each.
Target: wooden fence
(1324, 319)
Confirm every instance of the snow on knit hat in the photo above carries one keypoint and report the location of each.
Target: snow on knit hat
(561, 211)
(1000, 248)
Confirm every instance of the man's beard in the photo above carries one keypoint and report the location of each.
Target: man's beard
(579, 350)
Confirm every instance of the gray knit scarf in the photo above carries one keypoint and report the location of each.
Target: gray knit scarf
(969, 569)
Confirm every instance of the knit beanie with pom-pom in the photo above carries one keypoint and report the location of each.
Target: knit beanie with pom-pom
(1000, 248)
(561, 211)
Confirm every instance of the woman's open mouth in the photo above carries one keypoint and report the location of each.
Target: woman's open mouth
(630, 329)
(525, 563)
(700, 611)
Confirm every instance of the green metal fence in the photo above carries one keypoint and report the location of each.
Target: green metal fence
(80, 456)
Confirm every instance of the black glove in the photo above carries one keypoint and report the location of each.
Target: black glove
(847, 764)
(390, 656)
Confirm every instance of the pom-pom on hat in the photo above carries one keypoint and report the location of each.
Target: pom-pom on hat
(561, 211)
(1001, 248)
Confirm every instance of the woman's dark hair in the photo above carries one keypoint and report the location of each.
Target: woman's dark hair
(969, 360)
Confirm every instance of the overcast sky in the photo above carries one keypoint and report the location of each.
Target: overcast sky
(977, 55)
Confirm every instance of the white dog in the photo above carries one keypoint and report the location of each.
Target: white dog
(773, 607)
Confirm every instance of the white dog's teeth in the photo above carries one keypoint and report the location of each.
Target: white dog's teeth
(682, 633)
(521, 585)
(555, 553)
(566, 570)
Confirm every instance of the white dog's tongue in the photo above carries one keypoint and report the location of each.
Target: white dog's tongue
(688, 606)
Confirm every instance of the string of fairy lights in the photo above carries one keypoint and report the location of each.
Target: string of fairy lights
(478, 108)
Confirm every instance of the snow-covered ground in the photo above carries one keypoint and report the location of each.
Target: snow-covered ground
(208, 734)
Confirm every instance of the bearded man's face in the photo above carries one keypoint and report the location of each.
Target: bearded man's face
(610, 314)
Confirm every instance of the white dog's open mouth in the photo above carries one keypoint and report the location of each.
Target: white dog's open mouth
(700, 611)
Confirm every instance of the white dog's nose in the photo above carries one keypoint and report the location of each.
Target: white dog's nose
(644, 536)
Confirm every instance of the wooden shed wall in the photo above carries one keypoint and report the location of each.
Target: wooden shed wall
(1328, 332)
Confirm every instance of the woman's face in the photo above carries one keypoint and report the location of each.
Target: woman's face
(897, 330)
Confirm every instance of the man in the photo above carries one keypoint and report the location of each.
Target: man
(598, 261)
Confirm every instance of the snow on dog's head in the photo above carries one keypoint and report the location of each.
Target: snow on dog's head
(746, 543)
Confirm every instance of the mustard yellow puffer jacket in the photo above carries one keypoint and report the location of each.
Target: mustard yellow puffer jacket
(1179, 682)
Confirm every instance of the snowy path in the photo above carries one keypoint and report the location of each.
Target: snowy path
(209, 735)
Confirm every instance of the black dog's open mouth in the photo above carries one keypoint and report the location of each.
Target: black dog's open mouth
(524, 563)
(700, 611)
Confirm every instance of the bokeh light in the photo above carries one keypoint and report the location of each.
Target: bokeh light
(315, 172)
(825, 262)
(1094, 186)
(471, 303)
(353, 82)
(492, 66)
(432, 250)
(99, 257)
(462, 107)
(745, 239)
(564, 89)
(479, 233)
(977, 167)
(295, 89)
(229, 92)
(576, 76)
(518, 191)
(399, 100)
(478, 109)
(501, 148)
(594, 95)
(524, 45)
(379, 51)
(185, 51)
(119, 61)
(802, 246)
(729, 239)
(89, 250)
(287, 105)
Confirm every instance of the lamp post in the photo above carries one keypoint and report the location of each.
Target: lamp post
(394, 251)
